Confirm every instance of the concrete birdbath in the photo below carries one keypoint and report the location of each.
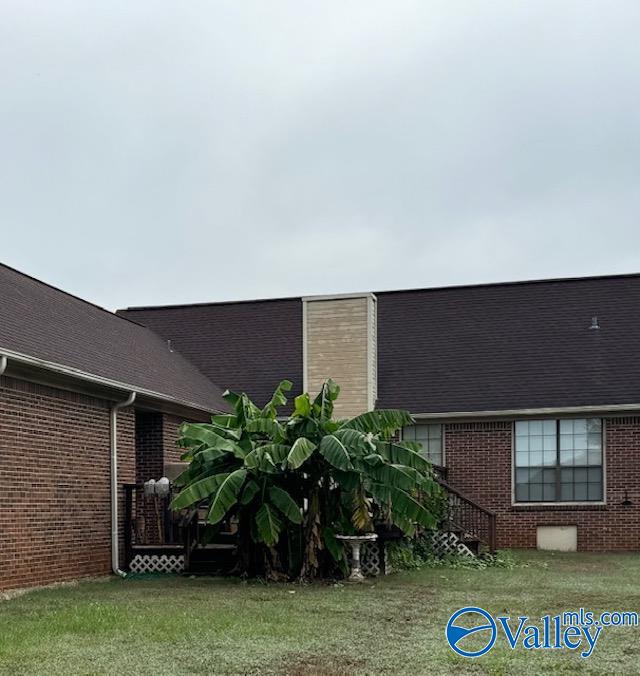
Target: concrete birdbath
(356, 541)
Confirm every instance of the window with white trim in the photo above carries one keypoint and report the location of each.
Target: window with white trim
(430, 437)
(559, 460)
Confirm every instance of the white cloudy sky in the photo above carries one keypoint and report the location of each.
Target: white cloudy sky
(162, 152)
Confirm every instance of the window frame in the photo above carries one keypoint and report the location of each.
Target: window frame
(575, 503)
(442, 439)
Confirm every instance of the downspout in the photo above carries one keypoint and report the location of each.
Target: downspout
(115, 545)
(3, 364)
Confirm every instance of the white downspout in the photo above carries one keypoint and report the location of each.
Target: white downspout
(115, 545)
(3, 364)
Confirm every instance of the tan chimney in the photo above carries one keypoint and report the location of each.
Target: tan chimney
(339, 342)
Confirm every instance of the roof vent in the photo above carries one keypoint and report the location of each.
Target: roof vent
(171, 347)
(594, 323)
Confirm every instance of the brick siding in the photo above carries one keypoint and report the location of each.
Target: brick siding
(156, 437)
(55, 518)
(479, 457)
(171, 426)
(149, 441)
(55, 497)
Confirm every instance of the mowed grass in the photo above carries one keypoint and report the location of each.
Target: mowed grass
(393, 625)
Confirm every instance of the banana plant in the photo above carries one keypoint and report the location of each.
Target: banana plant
(304, 478)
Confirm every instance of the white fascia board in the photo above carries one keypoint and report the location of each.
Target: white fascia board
(564, 410)
(97, 380)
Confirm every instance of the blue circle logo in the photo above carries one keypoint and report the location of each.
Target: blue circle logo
(481, 622)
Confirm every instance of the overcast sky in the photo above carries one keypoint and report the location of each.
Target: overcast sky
(162, 152)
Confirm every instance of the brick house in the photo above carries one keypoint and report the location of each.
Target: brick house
(67, 367)
(526, 394)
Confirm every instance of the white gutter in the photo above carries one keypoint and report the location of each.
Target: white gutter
(115, 545)
(3, 364)
(98, 380)
(568, 410)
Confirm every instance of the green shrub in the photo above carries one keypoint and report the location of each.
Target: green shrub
(417, 552)
(401, 556)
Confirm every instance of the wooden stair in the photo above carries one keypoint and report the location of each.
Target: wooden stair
(213, 559)
(213, 555)
(473, 524)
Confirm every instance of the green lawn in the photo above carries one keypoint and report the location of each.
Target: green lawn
(391, 626)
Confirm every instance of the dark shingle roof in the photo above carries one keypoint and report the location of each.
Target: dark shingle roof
(245, 346)
(510, 346)
(492, 347)
(42, 322)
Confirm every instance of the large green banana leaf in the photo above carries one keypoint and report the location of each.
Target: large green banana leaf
(323, 403)
(399, 455)
(226, 495)
(198, 491)
(301, 450)
(250, 490)
(202, 431)
(266, 426)
(302, 406)
(376, 421)
(335, 452)
(398, 476)
(278, 399)
(402, 503)
(268, 524)
(285, 503)
(357, 442)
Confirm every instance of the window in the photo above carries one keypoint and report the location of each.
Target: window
(558, 460)
(430, 436)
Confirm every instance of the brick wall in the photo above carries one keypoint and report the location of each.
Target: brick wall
(156, 437)
(55, 495)
(478, 458)
(148, 446)
(55, 515)
(171, 426)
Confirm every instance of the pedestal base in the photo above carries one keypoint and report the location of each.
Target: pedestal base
(356, 541)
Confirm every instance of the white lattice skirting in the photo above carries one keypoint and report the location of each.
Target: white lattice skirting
(444, 543)
(154, 563)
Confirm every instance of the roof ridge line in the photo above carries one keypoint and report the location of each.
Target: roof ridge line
(515, 282)
(135, 308)
(474, 285)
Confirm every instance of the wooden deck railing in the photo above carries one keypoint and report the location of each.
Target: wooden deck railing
(467, 518)
(149, 521)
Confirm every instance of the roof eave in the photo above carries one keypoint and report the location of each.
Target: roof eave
(528, 412)
(101, 381)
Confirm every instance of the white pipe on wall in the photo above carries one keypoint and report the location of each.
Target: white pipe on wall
(115, 545)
